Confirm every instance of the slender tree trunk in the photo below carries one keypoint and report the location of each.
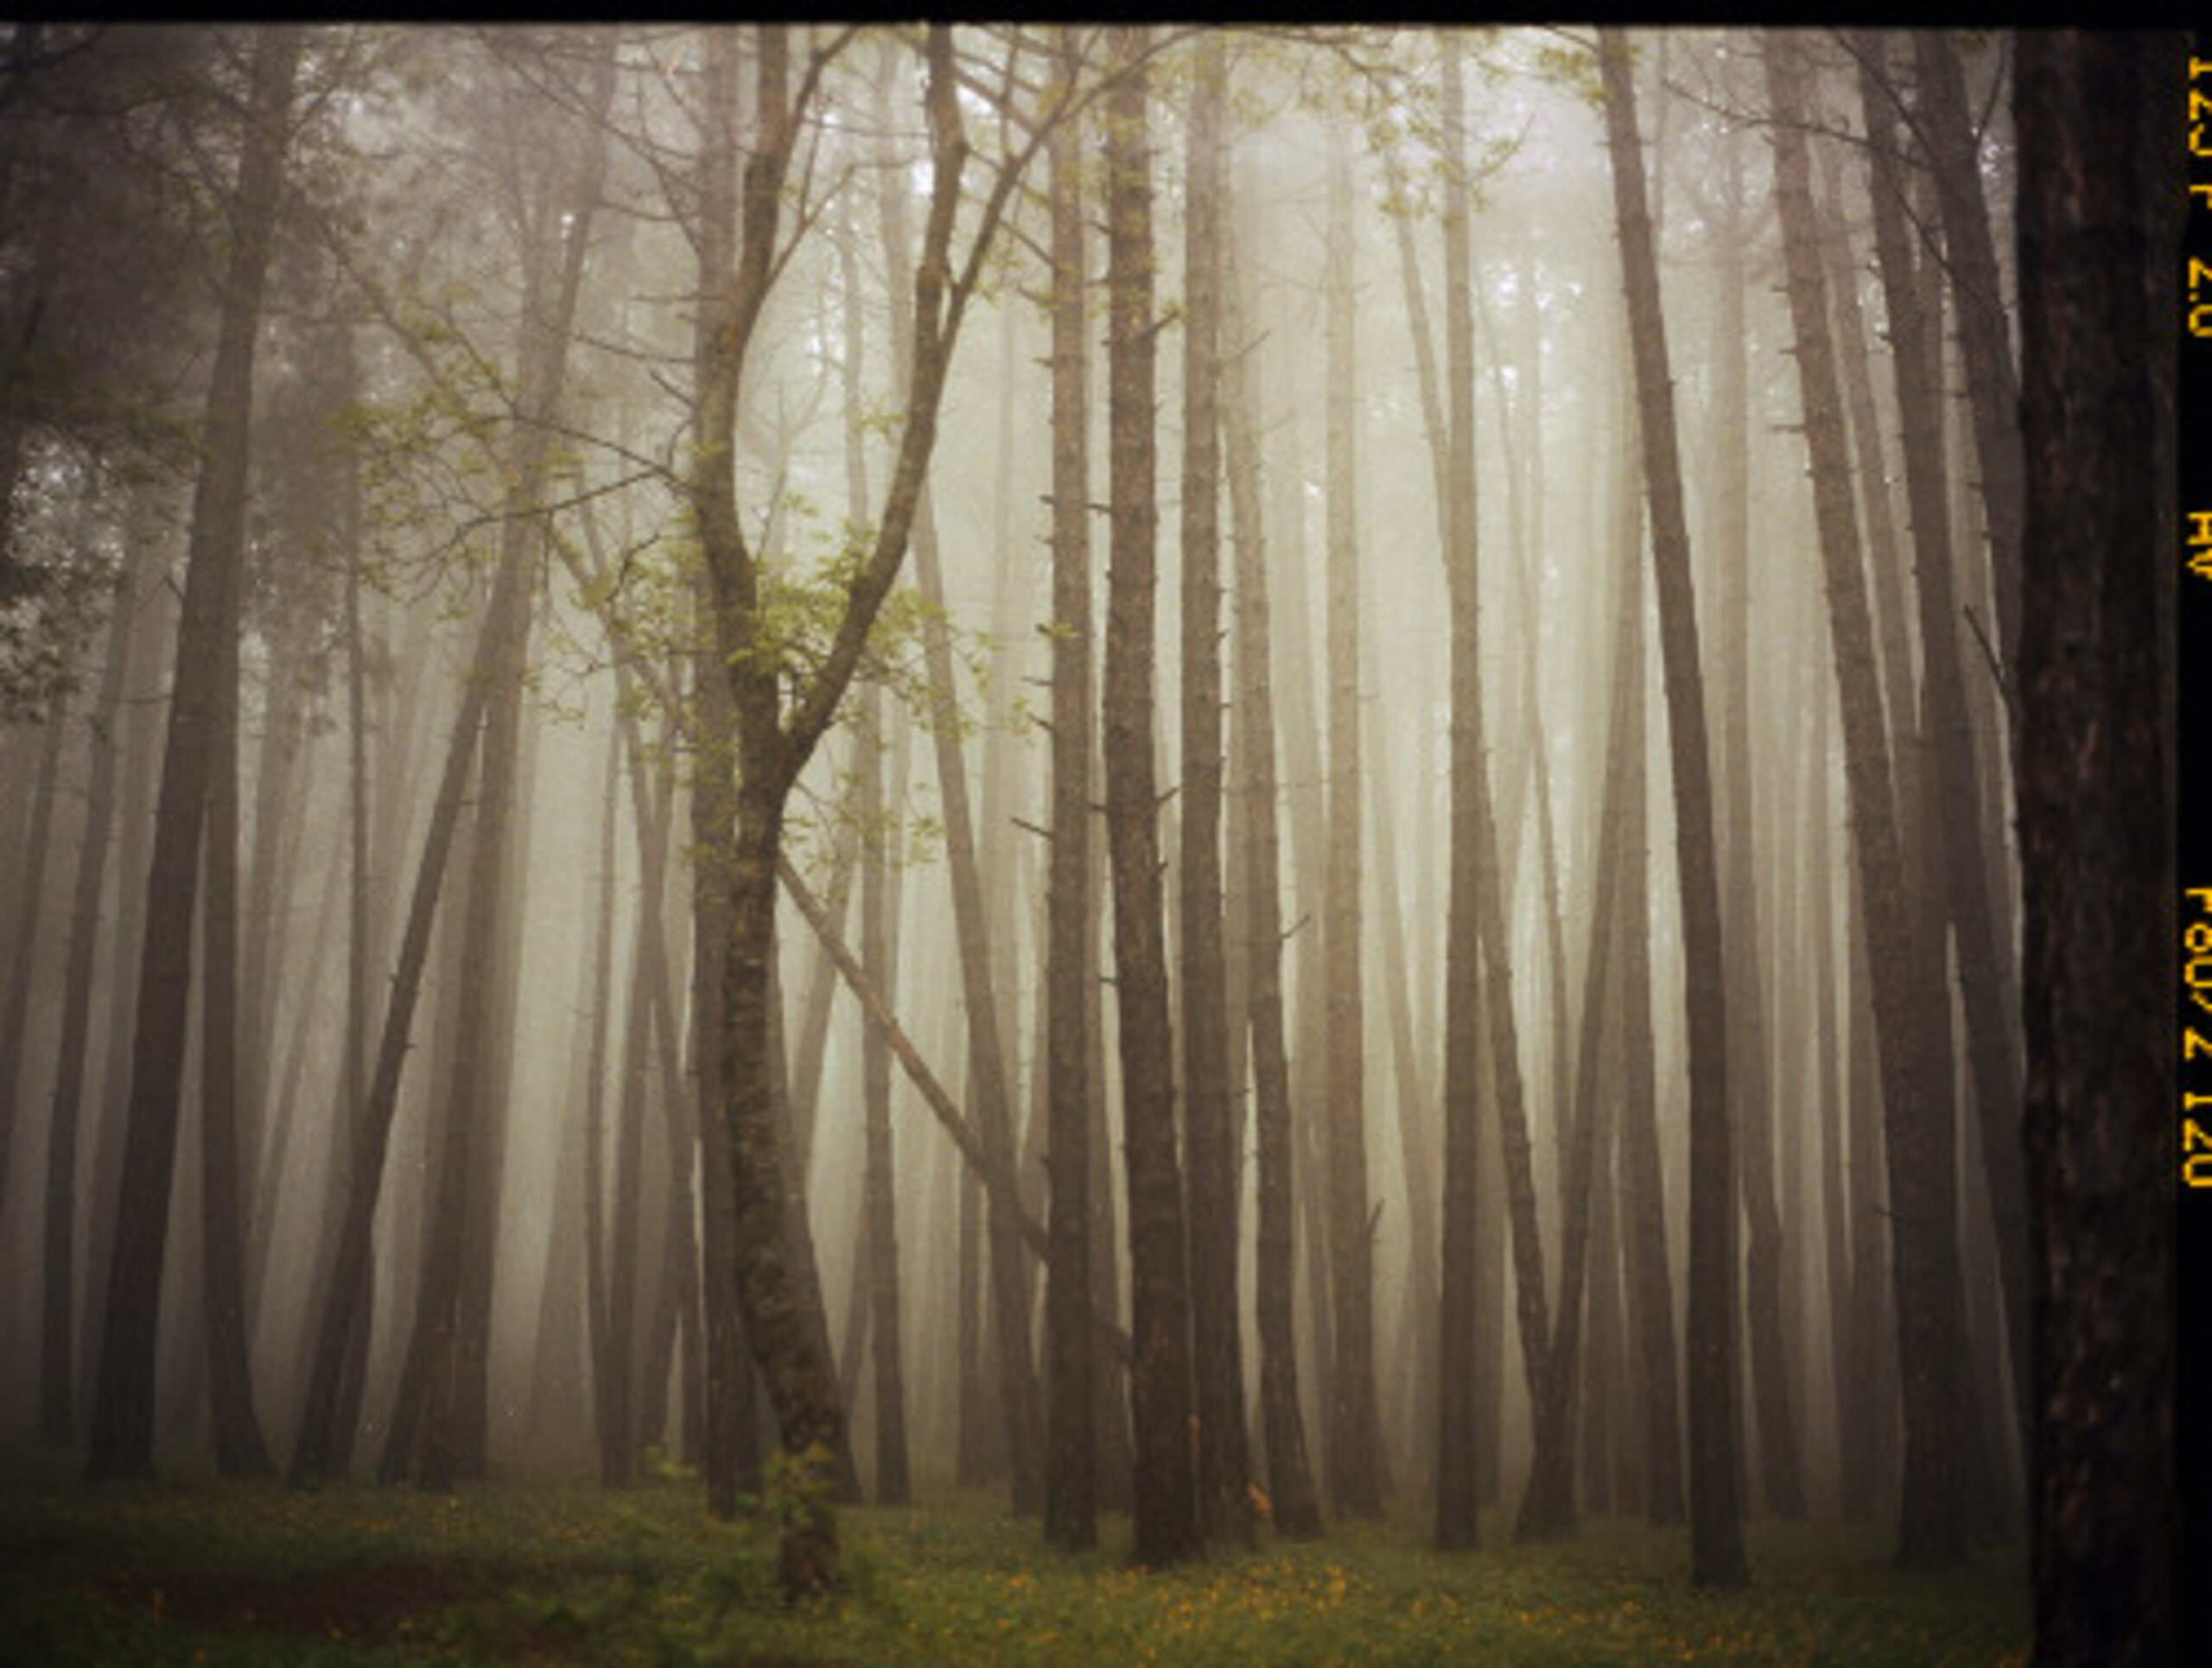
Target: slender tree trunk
(1072, 955)
(1159, 1372)
(1959, 816)
(1209, 1119)
(1716, 1530)
(1643, 1177)
(1010, 1287)
(123, 1418)
(1295, 1511)
(605, 1367)
(1918, 1145)
(1457, 1479)
(1755, 1107)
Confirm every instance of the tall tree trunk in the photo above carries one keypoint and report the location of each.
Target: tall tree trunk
(732, 1458)
(324, 1437)
(1918, 1144)
(1958, 812)
(1716, 1530)
(1072, 955)
(123, 1417)
(437, 1424)
(1756, 1108)
(1547, 1508)
(1643, 1177)
(1295, 1511)
(776, 1294)
(1457, 1479)
(1209, 1116)
(1009, 1286)
(1160, 1369)
(2096, 865)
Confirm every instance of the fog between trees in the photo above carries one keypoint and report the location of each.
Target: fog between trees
(1044, 760)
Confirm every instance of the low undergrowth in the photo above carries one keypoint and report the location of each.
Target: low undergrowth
(218, 1575)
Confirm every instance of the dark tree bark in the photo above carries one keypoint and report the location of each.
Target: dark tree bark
(1292, 1506)
(1957, 811)
(1209, 1117)
(775, 740)
(1643, 1177)
(2096, 864)
(1716, 1529)
(123, 1417)
(732, 1457)
(1160, 1370)
(1970, 256)
(1918, 1145)
(1072, 955)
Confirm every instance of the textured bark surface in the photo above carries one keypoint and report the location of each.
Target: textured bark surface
(1716, 1529)
(1209, 1114)
(1970, 258)
(2096, 864)
(1072, 952)
(1159, 1368)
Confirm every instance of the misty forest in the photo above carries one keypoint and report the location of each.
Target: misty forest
(1085, 845)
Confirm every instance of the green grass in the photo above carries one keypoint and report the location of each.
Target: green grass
(513, 1573)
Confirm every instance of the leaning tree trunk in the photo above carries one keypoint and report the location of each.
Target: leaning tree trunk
(1970, 257)
(123, 1416)
(1160, 1369)
(1716, 1528)
(1958, 812)
(2096, 865)
(1918, 1147)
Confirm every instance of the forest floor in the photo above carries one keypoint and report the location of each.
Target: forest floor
(238, 1575)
